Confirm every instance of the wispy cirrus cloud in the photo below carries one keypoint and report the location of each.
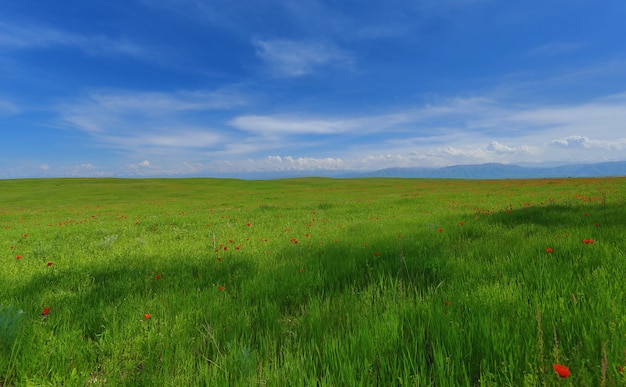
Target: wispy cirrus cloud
(8, 108)
(151, 122)
(556, 48)
(288, 125)
(291, 58)
(29, 36)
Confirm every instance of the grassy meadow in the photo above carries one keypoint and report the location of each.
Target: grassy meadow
(312, 282)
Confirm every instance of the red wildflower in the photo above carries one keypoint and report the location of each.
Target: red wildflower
(45, 311)
(18, 257)
(440, 229)
(620, 369)
(376, 253)
(146, 316)
(49, 263)
(158, 276)
(548, 250)
(25, 235)
(561, 370)
(461, 223)
(448, 303)
(302, 270)
(222, 288)
(588, 241)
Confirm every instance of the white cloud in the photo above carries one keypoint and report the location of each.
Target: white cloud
(32, 36)
(572, 141)
(8, 108)
(290, 58)
(158, 103)
(291, 125)
(289, 163)
(152, 123)
(144, 163)
(495, 146)
(556, 48)
(582, 142)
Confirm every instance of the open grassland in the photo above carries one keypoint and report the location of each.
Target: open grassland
(312, 282)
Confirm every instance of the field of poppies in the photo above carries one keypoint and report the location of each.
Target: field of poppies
(313, 281)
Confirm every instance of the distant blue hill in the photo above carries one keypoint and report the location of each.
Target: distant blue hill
(505, 171)
(475, 171)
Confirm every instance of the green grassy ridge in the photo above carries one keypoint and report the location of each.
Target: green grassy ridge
(384, 297)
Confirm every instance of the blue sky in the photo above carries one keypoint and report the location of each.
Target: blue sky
(192, 87)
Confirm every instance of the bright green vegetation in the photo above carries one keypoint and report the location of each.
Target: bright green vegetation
(312, 282)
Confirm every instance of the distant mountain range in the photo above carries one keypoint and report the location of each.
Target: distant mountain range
(476, 171)
(505, 171)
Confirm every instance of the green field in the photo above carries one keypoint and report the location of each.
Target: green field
(312, 282)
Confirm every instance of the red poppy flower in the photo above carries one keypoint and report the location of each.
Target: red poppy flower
(461, 223)
(620, 369)
(222, 288)
(440, 229)
(158, 276)
(49, 263)
(548, 250)
(561, 370)
(146, 316)
(448, 303)
(18, 257)
(588, 241)
(45, 311)
(376, 253)
(302, 270)
(25, 235)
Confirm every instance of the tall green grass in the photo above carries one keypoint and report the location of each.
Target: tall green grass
(312, 282)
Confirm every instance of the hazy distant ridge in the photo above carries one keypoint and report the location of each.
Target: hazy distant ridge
(505, 171)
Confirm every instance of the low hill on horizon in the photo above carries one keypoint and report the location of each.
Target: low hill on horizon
(505, 171)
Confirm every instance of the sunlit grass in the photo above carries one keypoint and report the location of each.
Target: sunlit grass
(312, 282)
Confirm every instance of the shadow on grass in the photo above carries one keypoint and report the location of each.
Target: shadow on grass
(563, 215)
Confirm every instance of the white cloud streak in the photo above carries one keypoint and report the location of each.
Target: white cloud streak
(8, 108)
(151, 122)
(290, 58)
(556, 48)
(35, 36)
